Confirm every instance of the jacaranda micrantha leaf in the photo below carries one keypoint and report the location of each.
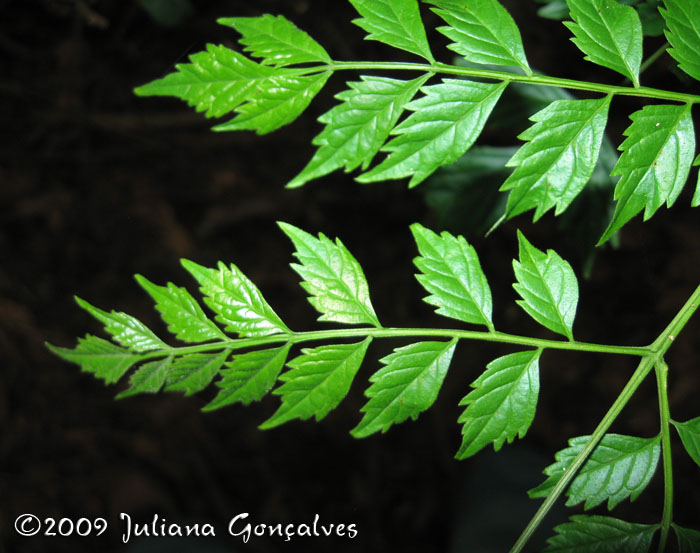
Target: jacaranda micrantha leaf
(394, 22)
(451, 273)
(655, 162)
(619, 467)
(502, 404)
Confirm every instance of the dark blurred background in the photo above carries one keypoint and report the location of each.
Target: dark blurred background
(97, 184)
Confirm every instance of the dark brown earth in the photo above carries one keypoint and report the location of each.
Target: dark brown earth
(96, 185)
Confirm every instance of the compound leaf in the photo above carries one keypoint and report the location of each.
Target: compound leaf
(655, 162)
(125, 329)
(100, 357)
(194, 372)
(276, 40)
(502, 404)
(278, 102)
(688, 540)
(394, 22)
(318, 381)
(609, 33)
(584, 534)
(548, 286)
(333, 278)
(406, 386)
(683, 32)
(445, 123)
(619, 467)
(181, 312)
(236, 300)
(359, 125)
(559, 157)
(451, 273)
(215, 82)
(249, 377)
(483, 32)
(149, 378)
(689, 432)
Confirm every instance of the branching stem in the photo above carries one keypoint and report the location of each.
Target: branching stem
(541, 80)
(665, 416)
(317, 335)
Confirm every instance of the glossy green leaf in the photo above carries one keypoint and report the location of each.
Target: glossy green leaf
(689, 432)
(619, 467)
(452, 275)
(125, 329)
(394, 22)
(278, 102)
(358, 127)
(276, 40)
(599, 534)
(333, 278)
(483, 32)
(688, 539)
(194, 372)
(445, 122)
(181, 312)
(104, 359)
(236, 300)
(502, 404)
(548, 286)
(406, 386)
(317, 381)
(148, 378)
(655, 162)
(609, 33)
(216, 81)
(683, 32)
(559, 157)
(249, 377)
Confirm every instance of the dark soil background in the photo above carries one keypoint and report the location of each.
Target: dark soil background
(96, 185)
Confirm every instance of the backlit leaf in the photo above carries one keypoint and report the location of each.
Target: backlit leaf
(502, 404)
(599, 534)
(451, 273)
(125, 329)
(357, 127)
(689, 432)
(104, 359)
(215, 82)
(695, 202)
(548, 286)
(394, 22)
(619, 467)
(278, 102)
(249, 377)
(655, 162)
(317, 381)
(483, 32)
(236, 300)
(333, 278)
(181, 312)
(609, 33)
(194, 372)
(683, 32)
(559, 157)
(148, 378)
(276, 40)
(406, 386)
(445, 123)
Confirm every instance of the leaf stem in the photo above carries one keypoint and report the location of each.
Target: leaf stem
(542, 80)
(314, 335)
(645, 366)
(665, 415)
